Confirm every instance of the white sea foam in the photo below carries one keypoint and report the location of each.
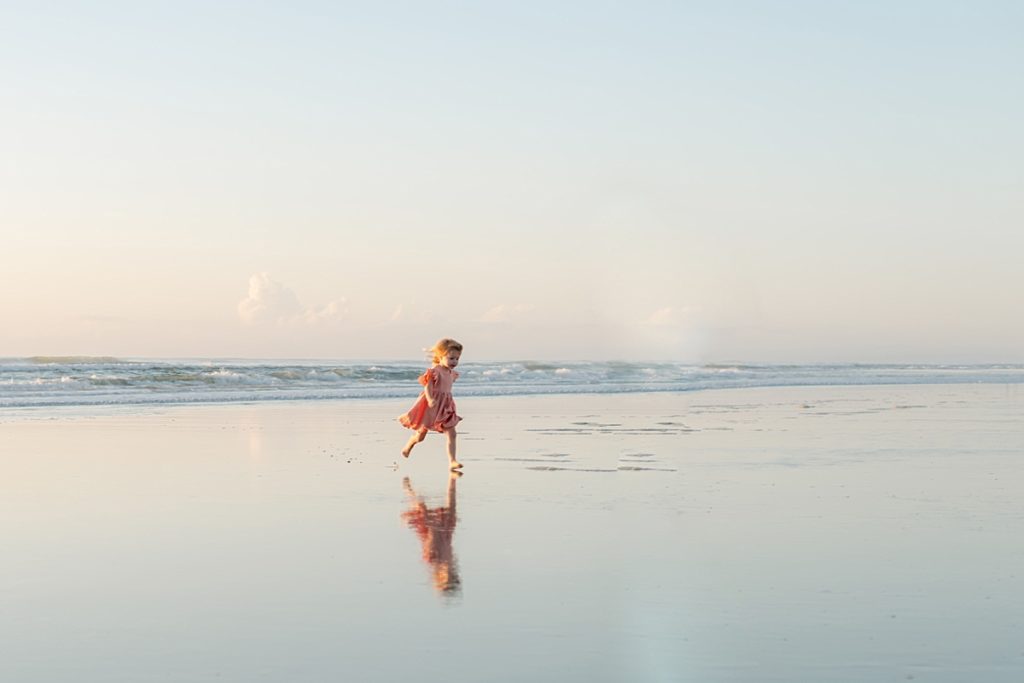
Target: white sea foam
(225, 376)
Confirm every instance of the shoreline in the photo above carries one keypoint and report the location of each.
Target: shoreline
(145, 407)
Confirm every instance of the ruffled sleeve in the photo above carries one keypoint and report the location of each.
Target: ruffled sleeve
(427, 376)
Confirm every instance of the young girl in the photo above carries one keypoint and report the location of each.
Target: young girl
(435, 408)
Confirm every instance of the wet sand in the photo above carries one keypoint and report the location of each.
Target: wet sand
(797, 534)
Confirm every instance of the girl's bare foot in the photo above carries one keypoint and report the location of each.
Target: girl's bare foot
(413, 440)
(454, 465)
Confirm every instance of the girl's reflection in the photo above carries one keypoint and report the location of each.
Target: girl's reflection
(435, 527)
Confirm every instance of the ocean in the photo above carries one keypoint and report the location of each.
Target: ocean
(96, 381)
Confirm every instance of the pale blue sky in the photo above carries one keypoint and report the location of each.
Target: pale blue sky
(690, 181)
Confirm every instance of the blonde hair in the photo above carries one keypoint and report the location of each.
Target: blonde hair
(442, 347)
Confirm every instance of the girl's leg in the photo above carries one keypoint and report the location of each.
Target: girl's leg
(452, 462)
(413, 440)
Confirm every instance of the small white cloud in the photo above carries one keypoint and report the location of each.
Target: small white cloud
(410, 312)
(662, 316)
(669, 316)
(503, 313)
(272, 302)
(335, 310)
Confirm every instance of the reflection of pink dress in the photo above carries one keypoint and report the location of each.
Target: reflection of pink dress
(435, 527)
(442, 415)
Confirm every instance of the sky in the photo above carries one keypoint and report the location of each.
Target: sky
(681, 181)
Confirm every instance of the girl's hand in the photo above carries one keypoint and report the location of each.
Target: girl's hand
(430, 402)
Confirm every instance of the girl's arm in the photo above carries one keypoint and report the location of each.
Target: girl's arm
(427, 392)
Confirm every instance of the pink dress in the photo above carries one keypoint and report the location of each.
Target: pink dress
(442, 415)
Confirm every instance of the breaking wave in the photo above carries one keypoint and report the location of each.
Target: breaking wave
(99, 380)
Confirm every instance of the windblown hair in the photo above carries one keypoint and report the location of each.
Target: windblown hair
(442, 347)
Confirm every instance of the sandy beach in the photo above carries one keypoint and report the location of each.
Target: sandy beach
(799, 534)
